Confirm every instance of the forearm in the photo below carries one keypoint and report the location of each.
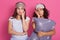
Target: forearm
(15, 33)
(50, 33)
(25, 26)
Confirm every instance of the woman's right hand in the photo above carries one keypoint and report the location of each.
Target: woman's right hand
(37, 14)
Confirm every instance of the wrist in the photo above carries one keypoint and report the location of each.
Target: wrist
(38, 16)
(45, 33)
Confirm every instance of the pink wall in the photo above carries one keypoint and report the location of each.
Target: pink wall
(7, 8)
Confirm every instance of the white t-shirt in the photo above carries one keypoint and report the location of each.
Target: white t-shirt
(17, 26)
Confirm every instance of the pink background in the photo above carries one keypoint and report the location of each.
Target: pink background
(7, 8)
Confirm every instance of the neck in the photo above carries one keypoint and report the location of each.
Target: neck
(41, 17)
(18, 17)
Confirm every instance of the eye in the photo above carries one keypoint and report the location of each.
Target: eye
(18, 8)
(41, 9)
(22, 8)
(37, 10)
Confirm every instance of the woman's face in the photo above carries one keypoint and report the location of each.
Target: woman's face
(40, 11)
(20, 10)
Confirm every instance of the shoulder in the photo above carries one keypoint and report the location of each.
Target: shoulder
(27, 18)
(33, 19)
(11, 19)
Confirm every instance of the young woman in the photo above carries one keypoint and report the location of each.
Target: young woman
(19, 23)
(43, 27)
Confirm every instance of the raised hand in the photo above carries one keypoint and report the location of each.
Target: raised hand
(23, 15)
(37, 14)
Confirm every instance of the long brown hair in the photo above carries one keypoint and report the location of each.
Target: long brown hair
(15, 13)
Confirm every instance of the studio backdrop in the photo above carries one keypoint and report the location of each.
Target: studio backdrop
(7, 9)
